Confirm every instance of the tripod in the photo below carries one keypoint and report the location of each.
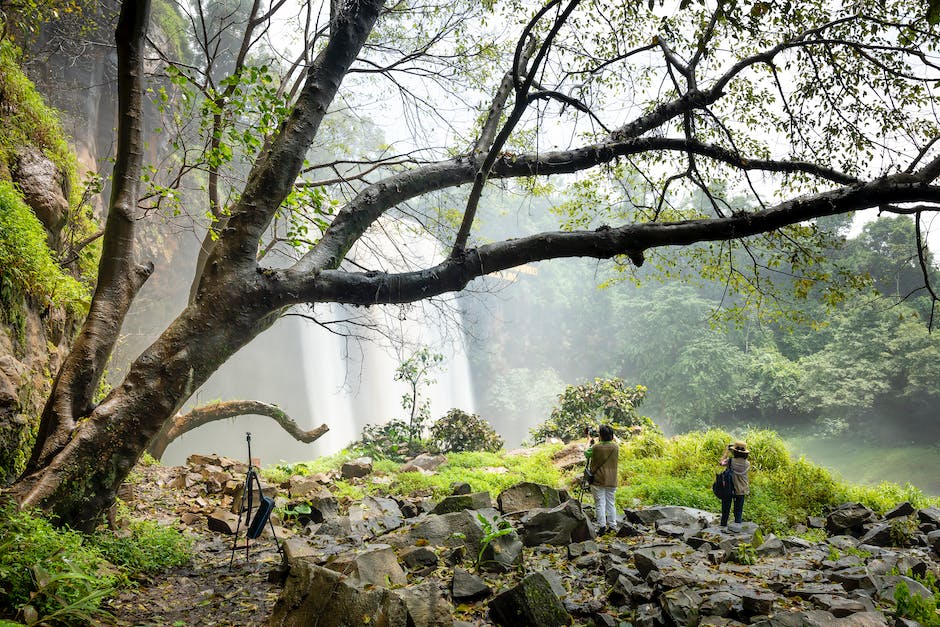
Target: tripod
(262, 515)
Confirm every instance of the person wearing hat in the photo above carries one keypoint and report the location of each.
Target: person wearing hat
(736, 455)
(602, 461)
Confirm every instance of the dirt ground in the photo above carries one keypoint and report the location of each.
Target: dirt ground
(207, 591)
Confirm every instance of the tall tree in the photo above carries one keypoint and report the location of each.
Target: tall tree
(810, 108)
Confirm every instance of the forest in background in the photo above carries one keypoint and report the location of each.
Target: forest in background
(859, 365)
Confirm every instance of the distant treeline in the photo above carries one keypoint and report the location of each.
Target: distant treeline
(836, 344)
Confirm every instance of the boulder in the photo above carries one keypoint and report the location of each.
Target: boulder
(461, 529)
(460, 488)
(681, 605)
(878, 535)
(301, 486)
(526, 496)
(654, 559)
(933, 539)
(222, 521)
(533, 601)
(466, 587)
(772, 546)
(427, 605)
(314, 595)
(374, 516)
(44, 188)
(848, 517)
(460, 502)
(648, 615)
(757, 603)
(670, 514)
(375, 564)
(929, 515)
(557, 526)
(424, 462)
(419, 559)
(359, 467)
(904, 509)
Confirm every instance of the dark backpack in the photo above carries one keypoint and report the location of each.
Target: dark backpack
(724, 483)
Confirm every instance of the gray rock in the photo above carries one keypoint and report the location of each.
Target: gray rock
(863, 619)
(427, 606)
(848, 517)
(461, 488)
(929, 515)
(904, 509)
(933, 540)
(815, 522)
(755, 603)
(557, 526)
(502, 553)
(419, 558)
(771, 547)
(721, 603)
(654, 559)
(374, 516)
(468, 588)
(424, 462)
(577, 549)
(532, 602)
(648, 615)
(314, 595)
(222, 521)
(812, 618)
(359, 467)
(527, 495)
(878, 535)
(670, 514)
(375, 564)
(681, 605)
(460, 502)
(855, 578)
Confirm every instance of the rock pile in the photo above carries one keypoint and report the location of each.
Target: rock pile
(534, 559)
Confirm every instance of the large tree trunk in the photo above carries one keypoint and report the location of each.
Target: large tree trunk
(82, 478)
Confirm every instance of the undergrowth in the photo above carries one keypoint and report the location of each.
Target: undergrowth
(55, 576)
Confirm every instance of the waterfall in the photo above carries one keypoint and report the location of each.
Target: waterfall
(341, 379)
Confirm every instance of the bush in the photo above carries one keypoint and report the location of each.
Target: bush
(768, 450)
(459, 431)
(391, 440)
(48, 575)
(583, 406)
(144, 547)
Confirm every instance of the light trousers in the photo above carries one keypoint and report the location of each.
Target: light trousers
(605, 506)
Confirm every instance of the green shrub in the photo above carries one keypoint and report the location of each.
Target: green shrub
(581, 407)
(768, 450)
(459, 431)
(391, 440)
(917, 608)
(649, 443)
(144, 547)
(48, 573)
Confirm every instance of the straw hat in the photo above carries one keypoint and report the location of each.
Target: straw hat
(740, 447)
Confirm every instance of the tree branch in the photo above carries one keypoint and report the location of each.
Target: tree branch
(183, 423)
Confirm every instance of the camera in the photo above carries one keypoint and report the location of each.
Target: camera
(590, 432)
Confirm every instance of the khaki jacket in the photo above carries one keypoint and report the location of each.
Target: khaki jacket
(739, 468)
(604, 464)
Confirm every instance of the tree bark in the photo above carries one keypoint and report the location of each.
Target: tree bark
(183, 423)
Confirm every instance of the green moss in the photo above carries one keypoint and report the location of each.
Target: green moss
(27, 266)
(27, 120)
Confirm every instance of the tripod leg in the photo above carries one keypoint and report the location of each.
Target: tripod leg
(238, 527)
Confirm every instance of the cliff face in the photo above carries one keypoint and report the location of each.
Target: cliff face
(34, 333)
(45, 167)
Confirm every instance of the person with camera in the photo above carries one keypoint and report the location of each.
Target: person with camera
(736, 456)
(602, 476)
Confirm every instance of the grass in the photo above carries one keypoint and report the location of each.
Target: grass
(60, 577)
(653, 470)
